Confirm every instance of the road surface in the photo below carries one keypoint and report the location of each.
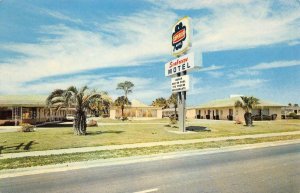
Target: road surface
(272, 169)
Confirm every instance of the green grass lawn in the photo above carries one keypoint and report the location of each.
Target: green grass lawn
(62, 137)
(107, 120)
(76, 157)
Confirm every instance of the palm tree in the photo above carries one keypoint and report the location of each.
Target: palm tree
(173, 101)
(100, 105)
(247, 103)
(126, 86)
(160, 102)
(121, 102)
(79, 99)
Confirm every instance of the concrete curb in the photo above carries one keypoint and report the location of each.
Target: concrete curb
(137, 145)
(134, 159)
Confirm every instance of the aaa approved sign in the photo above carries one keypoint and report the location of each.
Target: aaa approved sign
(181, 83)
(181, 36)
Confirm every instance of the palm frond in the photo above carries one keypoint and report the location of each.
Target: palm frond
(55, 93)
(83, 89)
(89, 98)
(72, 89)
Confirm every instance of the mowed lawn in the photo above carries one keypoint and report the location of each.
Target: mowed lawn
(132, 132)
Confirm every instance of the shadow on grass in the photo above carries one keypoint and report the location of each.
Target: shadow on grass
(18, 146)
(198, 129)
(58, 125)
(104, 132)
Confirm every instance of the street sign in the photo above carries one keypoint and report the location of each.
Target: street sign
(183, 63)
(181, 37)
(181, 83)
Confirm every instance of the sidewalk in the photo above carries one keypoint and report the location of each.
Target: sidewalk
(137, 145)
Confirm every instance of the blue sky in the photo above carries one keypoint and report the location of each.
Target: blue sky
(249, 47)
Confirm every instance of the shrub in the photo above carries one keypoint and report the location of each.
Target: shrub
(124, 118)
(92, 123)
(173, 120)
(294, 115)
(26, 127)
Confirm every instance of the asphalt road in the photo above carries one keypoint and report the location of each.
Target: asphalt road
(273, 169)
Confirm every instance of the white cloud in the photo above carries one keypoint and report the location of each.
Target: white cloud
(215, 74)
(277, 64)
(137, 39)
(143, 37)
(59, 15)
(210, 68)
(247, 83)
(197, 4)
(242, 72)
(238, 24)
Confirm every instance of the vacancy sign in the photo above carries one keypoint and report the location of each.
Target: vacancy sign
(180, 64)
(181, 36)
(181, 83)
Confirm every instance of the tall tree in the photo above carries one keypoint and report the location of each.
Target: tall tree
(79, 98)
(160, 102)
(173, 101)
(247, 103)
(121, 102)
(126, 87)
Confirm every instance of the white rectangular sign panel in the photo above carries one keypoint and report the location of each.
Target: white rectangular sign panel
(181, 83)
(183, 63)
(181, 36)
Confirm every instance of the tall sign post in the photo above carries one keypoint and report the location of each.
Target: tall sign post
(181, 44)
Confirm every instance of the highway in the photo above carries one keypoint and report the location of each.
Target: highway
(273, 169)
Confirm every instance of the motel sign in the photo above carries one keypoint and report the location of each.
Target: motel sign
(184, 62)
(181, 64)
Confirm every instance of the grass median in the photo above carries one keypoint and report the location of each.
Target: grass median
(62, 137)
(76, 157)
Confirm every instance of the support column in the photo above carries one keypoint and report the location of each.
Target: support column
(181, 107)
(12, 113)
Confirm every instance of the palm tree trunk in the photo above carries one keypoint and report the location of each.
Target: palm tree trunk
(122, 111)
(79, 123)
(248, 119)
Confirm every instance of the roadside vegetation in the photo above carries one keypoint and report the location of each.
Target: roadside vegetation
(81, 99)
(76, 157)
(62, 137)
(247, 104)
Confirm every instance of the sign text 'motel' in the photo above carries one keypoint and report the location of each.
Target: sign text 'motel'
(181, 83)
(183, 63)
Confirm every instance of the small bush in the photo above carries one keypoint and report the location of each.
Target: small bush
(293, 115)
(26, 127)
(173, 120)
(124, 118)
(92, 123)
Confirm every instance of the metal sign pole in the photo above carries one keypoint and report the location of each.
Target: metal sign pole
(181, 107)
(181, 42)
